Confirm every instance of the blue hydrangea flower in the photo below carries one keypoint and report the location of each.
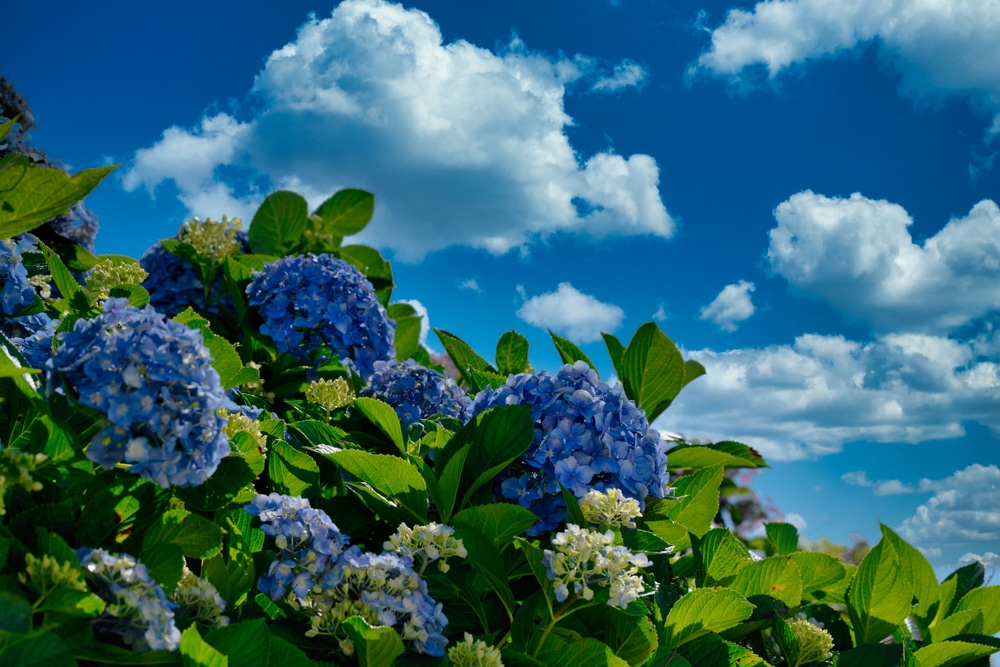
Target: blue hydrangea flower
(32, 335)
(317, 306)
(317, 572)
(16, 292)
(174, 286)
(417, 393)
(588, 435)
(137, 608)
(153, 380)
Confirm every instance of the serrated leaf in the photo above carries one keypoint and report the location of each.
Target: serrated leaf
(371, 263)
(406, 340)
(382, 415)
(727, 453)
(569, 352)
(957, 585)
(653, 370)
(918, 572)
(45, 649)
(31, 195)
(818, 570)
(968, 621)
(722, 556)
(633, 639)
(278, 224)
(61, 276)
(512, 353)
(195, 652)
(463, 356)
(376, 647)
(196, 536)
(952, 653)
(703, 611)
(698, 499)
(986, 600)
(783, 536)
(347, 212)
(880, 595)
(714, 650)
(291, 471)
(484, 557)
(389, 476)
(247, 644)
(136, 294)
(777, 577)
(578, 652)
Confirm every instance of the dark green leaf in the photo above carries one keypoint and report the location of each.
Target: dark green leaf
(278, 224)
(290, 470)
(196, 536)
(346, 212)
(617, 353)
(247, 644)
(512, 353)
(39, 650)
(463, 356)
(499, 522)
(61, 276)
(654, 370)
(569, 353)
(713, 650)
(15, 613)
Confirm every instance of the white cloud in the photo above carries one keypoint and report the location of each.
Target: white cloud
(660, 315)
(627, 74)
(796, 520)
(809, 398)
(461, 145)
(470, 284)
(937, 47)
(965, 508)
(856, 478)
(857, 253)
(732, 305)
(567, 311)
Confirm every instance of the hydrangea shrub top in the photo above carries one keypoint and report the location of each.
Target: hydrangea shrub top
(153, 381)
(317, 307)
(588, 435)
(416, 393)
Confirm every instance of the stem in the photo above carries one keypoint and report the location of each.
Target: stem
(556, 617)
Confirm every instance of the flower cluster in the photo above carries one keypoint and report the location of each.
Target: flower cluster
(318, 307)
(237, 422)
(469, 653)
(108, 274)
(433, 542)
(315, 571)
(17, 292)
(16, 468)
(583, 558)
(815, 643)
(213, 240)
(588, 435)
(330, 394)
(417, 393)
(153, 380)
(610, 507)
(199, 602)
(137, 608)
(32, 335)
(46, 574)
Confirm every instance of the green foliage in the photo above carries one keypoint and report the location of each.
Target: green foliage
(704, 595)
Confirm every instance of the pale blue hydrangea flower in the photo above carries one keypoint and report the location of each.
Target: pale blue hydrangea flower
(588, 435)
(153, 380)
(32, 335)
(317, 572)
(317, 307)
(416, 393)
(137, 608)
(16, 293)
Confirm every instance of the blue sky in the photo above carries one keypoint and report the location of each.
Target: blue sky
(801, 192)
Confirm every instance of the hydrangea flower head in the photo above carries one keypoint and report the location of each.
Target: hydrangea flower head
(588, 435)
(153, 381)
(330, 394)
(433, 542)
(198, 601)
(611, 508)
(107, 274)
(585, 558)
(214, 240)
(317, 307)
(137, 608)
(469, 653)
(32, 335)
(416, 393)
(16, 292)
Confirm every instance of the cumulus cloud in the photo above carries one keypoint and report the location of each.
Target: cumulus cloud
(627, 74)
(937, 48)
(732, 305)
(470, 284)
(796, 520)
(856, 478)
(809, 398)
(965, 508)
(660, 315)
(425, 322)
(857, 253)
(462, 145)
(567, 311)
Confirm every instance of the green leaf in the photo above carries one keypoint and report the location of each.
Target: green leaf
(500, 522)
(722, 556)
(31, 195)
(40, 650)
(375, 647)
(195, 652)
(463, 356)
(278, 224)
(346, 212)
(957, 584)
(247, 644)
(703, 611)
(136, 294)
(486, 379)
(968, 621)
(512, 353)
(287, 654)
(560, 651)
(371, 263)
(407, 337)
(872, 655)
(880, 595)
(61, 276)
(698, 499)
(484, 557)
(196, 536)
(15, 613)
(450, 481)
(165, 564)
(633, 639)
(654, 370)
(382, 415)
(290, 470)
(569, 353)
(225, 359)
(918, 572)
(784, 537)
(692, 371)
(617, 353)
(952, 653)
(728, 453)
(986, 600)
(777, 577)
(390, 478)
(818, 571)
(7, 126)
(72, 602)
(714, 650)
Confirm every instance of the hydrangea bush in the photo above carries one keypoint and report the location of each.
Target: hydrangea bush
(272, 470)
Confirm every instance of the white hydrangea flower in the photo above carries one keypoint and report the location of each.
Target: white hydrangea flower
(611, 508)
